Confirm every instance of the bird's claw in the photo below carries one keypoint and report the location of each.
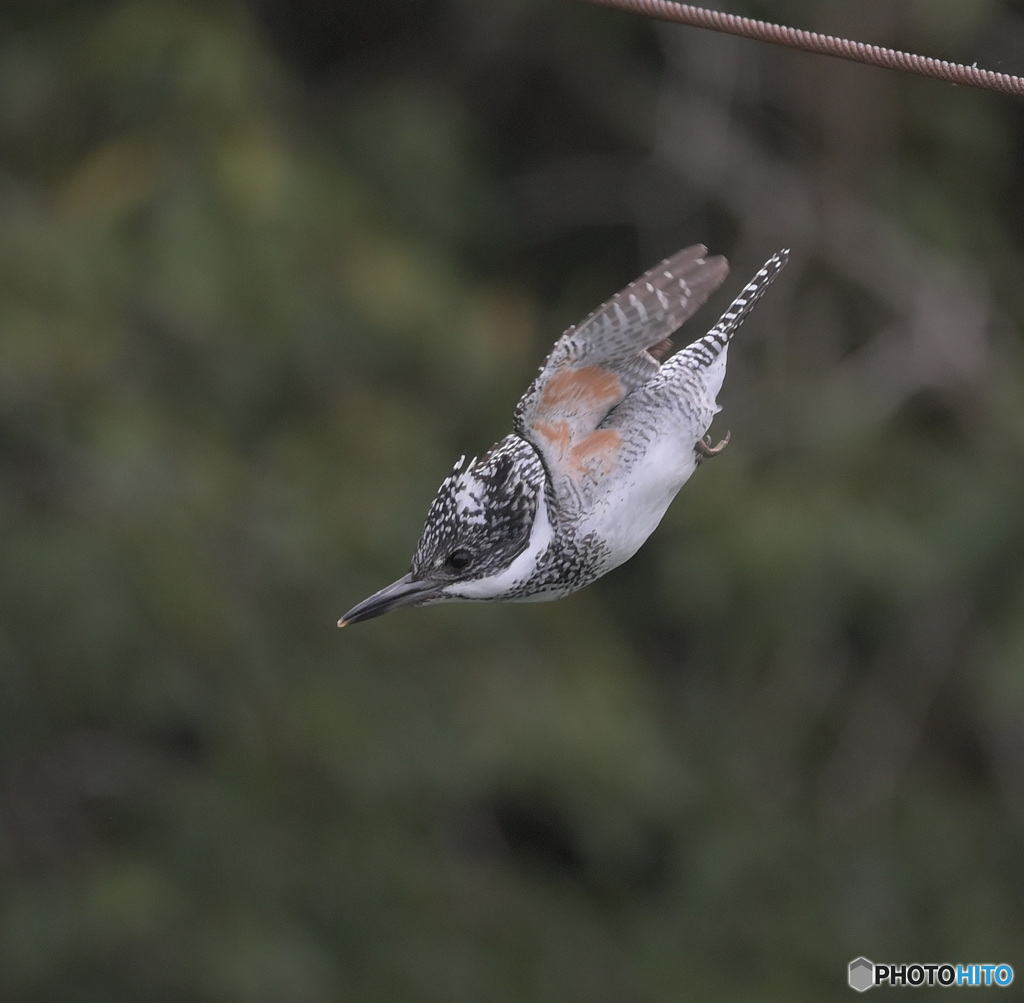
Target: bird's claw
(704, 448)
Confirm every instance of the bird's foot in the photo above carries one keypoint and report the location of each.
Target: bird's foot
(704, 448)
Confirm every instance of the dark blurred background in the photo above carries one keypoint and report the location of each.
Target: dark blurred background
(266, 270)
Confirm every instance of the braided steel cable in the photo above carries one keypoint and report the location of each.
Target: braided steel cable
(826, 45)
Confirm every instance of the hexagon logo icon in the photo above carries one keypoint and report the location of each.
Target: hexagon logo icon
(862, 974)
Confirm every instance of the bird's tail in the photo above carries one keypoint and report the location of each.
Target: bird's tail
(705, 350)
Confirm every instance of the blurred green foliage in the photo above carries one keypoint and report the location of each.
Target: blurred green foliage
(266, 270)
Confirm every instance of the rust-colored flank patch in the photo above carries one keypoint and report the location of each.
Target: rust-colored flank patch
(584, 388)
(599, 449)
(571, 405)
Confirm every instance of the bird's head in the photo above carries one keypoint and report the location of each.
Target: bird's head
(484, 532)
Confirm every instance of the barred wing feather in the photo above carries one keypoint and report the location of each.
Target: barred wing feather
(597, 362)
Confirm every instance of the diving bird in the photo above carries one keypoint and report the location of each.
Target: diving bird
(609, 430)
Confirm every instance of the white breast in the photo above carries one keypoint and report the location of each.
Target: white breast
(635, 502)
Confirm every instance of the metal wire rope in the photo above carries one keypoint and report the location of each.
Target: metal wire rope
(827, 45)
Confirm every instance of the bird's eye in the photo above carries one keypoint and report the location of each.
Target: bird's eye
(458, 559)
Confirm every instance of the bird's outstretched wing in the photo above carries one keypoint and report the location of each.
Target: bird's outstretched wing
(597, 362)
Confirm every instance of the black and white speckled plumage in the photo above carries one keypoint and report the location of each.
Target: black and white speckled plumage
(604, 437)
(489, 508)
(486, 507)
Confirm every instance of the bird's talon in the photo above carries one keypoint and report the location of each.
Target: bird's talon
(704, 448)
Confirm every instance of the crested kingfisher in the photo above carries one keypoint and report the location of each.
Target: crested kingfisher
(610, 429)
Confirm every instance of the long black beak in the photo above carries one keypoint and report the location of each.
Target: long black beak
(407, 591)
